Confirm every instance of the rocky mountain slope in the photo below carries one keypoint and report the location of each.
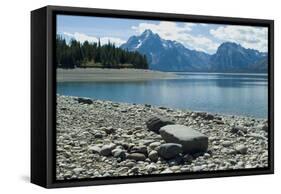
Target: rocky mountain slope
(167, 55)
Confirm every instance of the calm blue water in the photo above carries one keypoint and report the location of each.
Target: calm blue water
(235, 94)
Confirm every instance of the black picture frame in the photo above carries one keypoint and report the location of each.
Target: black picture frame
(43, 94)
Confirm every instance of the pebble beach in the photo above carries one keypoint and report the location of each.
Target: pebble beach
(97, 138)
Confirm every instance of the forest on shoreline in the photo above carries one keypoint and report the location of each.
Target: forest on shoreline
(87, 54)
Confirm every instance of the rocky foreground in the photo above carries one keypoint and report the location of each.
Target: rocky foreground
(103, 139)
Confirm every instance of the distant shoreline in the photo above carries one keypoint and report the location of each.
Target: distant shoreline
(105, 74)
(218, 73)
(126, 74)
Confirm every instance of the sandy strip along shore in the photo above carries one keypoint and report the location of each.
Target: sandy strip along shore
(96, 74)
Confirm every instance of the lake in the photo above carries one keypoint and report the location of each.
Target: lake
(234, 94)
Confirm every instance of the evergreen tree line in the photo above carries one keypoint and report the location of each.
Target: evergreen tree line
(76, 54)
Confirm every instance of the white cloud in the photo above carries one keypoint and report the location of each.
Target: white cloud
(247, 36)
(164, 29)
(200, 43)
(180, 33)
(104, 40)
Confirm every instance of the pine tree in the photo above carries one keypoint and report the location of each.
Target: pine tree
(76, 54)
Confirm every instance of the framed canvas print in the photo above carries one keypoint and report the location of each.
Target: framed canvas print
(126, 96)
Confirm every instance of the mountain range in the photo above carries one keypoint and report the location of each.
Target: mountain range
(167, 55)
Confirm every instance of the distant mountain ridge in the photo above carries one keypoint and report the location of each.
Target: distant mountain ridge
(235, 58)
(167, 55)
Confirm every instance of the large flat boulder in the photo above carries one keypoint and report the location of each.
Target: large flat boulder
(191, 140)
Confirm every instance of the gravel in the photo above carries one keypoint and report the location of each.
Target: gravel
(98, 138)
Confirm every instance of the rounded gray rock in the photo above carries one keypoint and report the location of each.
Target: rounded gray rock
(153, 145)
(139, 149)
(85, 100)
(95, 149)
(241, 149)
(119, 153)
(136, 156)
(153, 156)
(169, 150)
(106, 149)
(155, 123)
(237, 129)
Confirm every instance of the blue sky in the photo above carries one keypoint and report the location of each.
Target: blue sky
(198, 36)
